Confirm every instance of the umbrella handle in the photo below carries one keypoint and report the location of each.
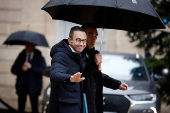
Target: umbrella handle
(99, 67)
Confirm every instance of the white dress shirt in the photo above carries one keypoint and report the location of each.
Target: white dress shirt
(31, 55)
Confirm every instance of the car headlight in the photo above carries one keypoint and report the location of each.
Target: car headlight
(48, 91)
(143, 97)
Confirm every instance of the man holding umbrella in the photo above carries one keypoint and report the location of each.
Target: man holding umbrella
(93, 85)
(29, 67)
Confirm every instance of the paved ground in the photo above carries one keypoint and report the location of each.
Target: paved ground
(164, 109)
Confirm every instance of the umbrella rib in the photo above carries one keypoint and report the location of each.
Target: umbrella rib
(101, 41)
(102, 29)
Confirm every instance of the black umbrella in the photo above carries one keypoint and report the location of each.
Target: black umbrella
(130, 15)
(20, 37)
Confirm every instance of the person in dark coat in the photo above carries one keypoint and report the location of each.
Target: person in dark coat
(29, 67)
(93, 85)
(66, 74)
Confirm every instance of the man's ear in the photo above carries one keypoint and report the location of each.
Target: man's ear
(69, 40)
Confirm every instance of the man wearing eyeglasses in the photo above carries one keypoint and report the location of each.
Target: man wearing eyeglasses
(93, 85)
(66, 73)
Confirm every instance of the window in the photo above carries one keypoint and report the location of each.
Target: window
(63, 29)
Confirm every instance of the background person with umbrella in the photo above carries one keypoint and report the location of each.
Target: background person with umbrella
(28, 67)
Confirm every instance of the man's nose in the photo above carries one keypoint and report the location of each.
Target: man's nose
(93, 39)
(81, 43)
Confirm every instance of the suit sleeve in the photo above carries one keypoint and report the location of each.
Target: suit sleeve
(59, 69)
(39, 68)
(110, 82)
(17, 66)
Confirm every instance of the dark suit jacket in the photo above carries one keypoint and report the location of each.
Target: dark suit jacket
(33, 76)
(93, 84)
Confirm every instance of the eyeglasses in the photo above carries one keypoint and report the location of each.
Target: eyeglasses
(78, 40)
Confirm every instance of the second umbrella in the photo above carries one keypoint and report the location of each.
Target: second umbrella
(20, 37)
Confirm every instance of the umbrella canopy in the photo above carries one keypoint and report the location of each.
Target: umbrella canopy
(20, 37)
(129, 15)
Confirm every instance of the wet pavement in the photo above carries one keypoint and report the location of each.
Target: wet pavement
(164, 109)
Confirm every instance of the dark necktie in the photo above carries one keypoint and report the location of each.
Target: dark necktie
(29, 58)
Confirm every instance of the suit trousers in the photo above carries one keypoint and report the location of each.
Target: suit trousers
(22, 100)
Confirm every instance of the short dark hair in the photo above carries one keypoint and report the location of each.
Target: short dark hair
(75, 28)
(88, 25)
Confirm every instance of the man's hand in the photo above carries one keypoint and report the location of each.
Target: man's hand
(26, 66)
(123, 87)
(98, 58)
(76, 77)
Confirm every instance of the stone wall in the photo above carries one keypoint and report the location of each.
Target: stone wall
(16, 15)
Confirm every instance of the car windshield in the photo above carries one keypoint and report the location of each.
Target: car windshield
(123, 67)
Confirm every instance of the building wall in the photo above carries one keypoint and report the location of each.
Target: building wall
(16, 15)
(118, 41)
